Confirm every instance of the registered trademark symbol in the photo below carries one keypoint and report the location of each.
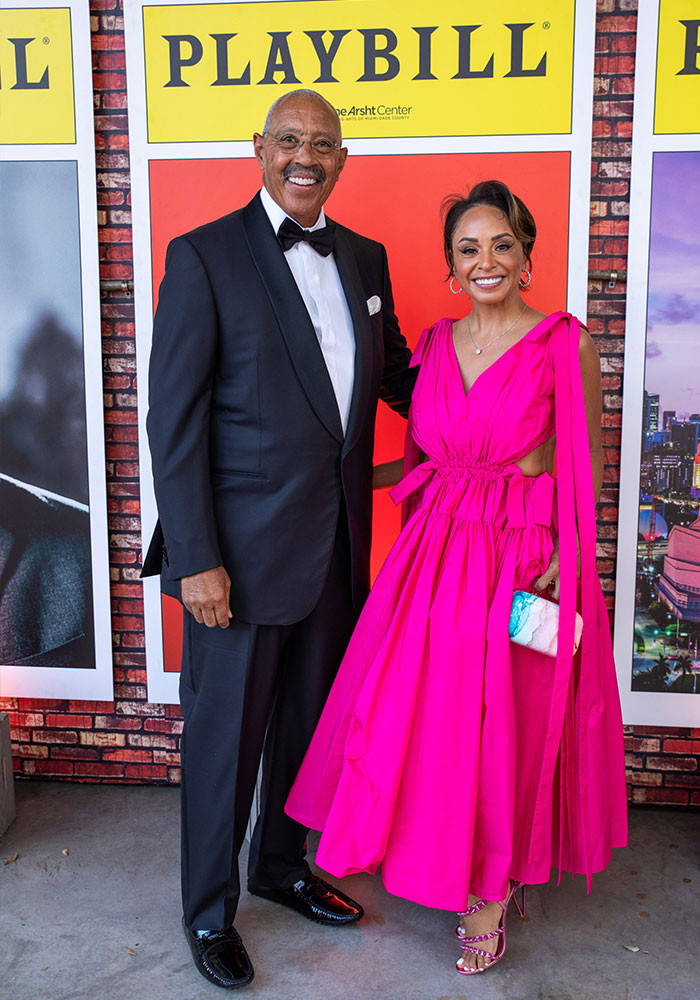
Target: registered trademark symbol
(546, 25)
(46, 40)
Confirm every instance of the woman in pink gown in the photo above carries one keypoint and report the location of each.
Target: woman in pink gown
(464, 764)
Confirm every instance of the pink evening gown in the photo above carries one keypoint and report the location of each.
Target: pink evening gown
(446, 754)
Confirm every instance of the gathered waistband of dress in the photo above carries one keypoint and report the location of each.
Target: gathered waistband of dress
(511, 485)
(475, 467)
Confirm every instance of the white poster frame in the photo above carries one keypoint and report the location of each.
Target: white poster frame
(79, 682)
(163, 686)
(645, 708)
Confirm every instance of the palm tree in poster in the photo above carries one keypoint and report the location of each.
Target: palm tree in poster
(684, 664)
(686, 682)
(659, 673)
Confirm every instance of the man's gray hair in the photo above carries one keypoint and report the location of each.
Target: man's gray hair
(309, 95)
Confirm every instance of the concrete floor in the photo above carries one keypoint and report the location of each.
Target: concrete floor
(103, 922)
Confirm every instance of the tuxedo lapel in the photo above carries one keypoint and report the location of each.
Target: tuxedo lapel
(292, 316)
(355, 297)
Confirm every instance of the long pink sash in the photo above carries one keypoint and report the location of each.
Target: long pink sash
(573, 688)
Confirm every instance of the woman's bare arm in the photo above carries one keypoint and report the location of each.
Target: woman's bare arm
(387, 474)
(593, 398)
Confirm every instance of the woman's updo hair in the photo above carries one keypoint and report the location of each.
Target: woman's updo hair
(499, 196)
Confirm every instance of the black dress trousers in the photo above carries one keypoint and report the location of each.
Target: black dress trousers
(246, 691)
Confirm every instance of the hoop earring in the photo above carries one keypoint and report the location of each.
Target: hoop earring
(452, 289)
(525, 284)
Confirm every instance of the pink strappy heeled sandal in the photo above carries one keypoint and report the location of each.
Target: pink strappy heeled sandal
(467, 943)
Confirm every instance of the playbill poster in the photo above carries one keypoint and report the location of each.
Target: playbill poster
(431, 101)
(55, 626)
(657, 621)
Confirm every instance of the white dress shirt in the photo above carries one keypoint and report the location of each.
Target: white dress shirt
(319, 283)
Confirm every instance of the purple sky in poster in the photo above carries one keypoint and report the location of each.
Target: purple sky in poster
(673, 322)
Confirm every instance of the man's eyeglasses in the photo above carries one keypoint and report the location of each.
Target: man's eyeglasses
(291, 143)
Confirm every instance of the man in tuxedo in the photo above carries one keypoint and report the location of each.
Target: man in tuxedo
(274, 337)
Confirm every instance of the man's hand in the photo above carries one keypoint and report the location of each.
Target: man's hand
(206, 597)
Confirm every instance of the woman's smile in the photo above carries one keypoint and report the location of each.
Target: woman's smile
(491, 282)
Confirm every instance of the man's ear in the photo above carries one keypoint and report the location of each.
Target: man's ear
(341, 160)
(258, 149)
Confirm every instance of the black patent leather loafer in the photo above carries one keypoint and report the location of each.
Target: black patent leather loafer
(315, 899)
(220, 956)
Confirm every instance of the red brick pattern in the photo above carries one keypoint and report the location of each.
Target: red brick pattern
(663, 765)
(131, 740)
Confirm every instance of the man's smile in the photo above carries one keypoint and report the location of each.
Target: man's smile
(307, 176)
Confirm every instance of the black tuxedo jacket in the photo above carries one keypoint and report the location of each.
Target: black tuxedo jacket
(249, 456)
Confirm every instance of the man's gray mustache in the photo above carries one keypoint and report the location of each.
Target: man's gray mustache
(314, 171)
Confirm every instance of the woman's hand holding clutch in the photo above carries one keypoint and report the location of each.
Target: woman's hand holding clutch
(550, 577)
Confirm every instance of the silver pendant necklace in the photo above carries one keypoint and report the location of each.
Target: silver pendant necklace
(478, 350)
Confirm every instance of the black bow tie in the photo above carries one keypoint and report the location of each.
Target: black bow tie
(322, 240)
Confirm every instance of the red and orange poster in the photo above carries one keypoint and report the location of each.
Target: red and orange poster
(427, 111)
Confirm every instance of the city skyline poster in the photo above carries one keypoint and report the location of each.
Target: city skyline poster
(660, 676)
(667, 592)
(657, 590)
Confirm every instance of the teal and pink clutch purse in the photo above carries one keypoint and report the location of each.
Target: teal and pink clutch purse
(534, 622)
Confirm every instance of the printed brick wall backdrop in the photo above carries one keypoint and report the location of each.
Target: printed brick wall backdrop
(130, 740)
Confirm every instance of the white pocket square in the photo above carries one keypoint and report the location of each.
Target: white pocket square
(374, 305)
